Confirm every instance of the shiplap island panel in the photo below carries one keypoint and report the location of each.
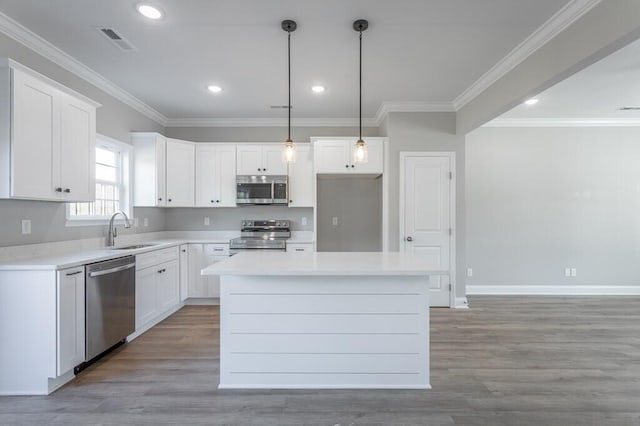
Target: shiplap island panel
(324, 320)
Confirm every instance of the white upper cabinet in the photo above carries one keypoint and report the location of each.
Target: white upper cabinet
(77, 157)
(47, 138)
(149, 171)
(215, 175)
(263, 159)
(335, 156)
(181, 174)
(301, 178)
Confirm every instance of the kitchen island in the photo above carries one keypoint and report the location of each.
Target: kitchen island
(324, 320)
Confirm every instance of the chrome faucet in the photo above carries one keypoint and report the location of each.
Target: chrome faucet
(111, 232)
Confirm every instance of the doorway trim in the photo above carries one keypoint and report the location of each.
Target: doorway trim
(452, 210)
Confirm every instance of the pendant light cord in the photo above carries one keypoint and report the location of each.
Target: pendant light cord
(289, 108)
(360, 85)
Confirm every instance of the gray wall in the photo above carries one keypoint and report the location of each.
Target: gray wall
(48, 223)
(228, 219)
(114, 119)
(610, 25)
(427, 132)
(543, 199)
(261, 134)
(357, 203)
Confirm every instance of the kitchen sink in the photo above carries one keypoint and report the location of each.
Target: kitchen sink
(135, 246)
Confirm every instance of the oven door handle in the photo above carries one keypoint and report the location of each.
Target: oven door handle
(112, 270)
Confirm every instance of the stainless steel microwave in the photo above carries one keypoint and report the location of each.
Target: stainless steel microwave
(262, 190)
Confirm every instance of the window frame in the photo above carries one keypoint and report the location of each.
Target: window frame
(126, 185)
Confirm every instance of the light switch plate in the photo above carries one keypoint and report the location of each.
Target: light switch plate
(207, 221)
(469, 272)
(574, 272)
(145, 222)
(304, 221)
(334, 221)
(567, 272)
(26, 226)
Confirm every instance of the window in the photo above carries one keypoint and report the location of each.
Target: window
(112, 185)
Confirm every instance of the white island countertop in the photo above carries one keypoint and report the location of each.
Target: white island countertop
(324, 263)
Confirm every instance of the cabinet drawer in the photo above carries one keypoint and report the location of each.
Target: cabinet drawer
(216, 249)
(146, 260)
(299, 248)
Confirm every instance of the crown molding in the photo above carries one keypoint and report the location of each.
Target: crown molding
(268, 122)
(562, 19)
(387, 107)
(31, 40)
(564, 122)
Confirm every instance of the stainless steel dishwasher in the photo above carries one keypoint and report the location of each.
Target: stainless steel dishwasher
(110, 304)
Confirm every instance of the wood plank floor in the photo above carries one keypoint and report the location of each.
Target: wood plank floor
(506, 361)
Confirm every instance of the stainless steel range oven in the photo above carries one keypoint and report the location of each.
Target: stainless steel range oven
(261, 235)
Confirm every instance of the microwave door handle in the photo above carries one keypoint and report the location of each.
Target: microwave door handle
(273, 190)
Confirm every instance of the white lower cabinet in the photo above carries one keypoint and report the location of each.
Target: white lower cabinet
(70, 322)
(157, 285)
(42, 329)
(299, 248)
(184, 271)
(201, 256)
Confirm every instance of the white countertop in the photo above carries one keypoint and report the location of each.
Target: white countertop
(324, 263)
(63, 255)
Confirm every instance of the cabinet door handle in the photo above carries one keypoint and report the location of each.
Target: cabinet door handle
(347, 166)
(212, 201)
(258, 169)
(299, 249)
(169, 200)
(217, 201)
(352, 166)
(67, 190)
(73, 273)
(409, 239)
(58, 189)
(159, 199)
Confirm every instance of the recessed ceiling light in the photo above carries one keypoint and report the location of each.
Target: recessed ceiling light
(214, 89)
(531, 102)
(149, 11)
(318, 89)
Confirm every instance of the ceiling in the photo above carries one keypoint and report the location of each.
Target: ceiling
(595, 93)
(414, 50)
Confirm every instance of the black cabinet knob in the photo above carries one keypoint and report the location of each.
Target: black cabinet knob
(159, 199)
(67, 190)
(352, 166)
(169, 200)
(217, 201)
(58, 189)
(212, 201)
(347, 166)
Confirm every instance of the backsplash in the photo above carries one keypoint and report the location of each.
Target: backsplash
(228, 219)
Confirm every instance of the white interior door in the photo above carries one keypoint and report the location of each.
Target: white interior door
(427, 216)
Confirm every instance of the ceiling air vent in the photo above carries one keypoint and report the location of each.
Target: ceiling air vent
(117, 39)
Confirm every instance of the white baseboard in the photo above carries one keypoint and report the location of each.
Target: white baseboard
(461, 303)
(555, 290)
(202, 301)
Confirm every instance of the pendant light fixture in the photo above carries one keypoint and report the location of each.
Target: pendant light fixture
(360, 154)
(289, 148)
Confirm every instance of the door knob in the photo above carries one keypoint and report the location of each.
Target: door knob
(409, 239)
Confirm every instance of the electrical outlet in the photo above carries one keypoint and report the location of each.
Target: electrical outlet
(574, 272)
(145, 221)
(567, 272)
(26, 226)
(469, 272)
(304, 221)
(207, 222)
(334, 221)
(135, 222)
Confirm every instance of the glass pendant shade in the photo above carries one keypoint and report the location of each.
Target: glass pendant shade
(289, 152)
(360, 152)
